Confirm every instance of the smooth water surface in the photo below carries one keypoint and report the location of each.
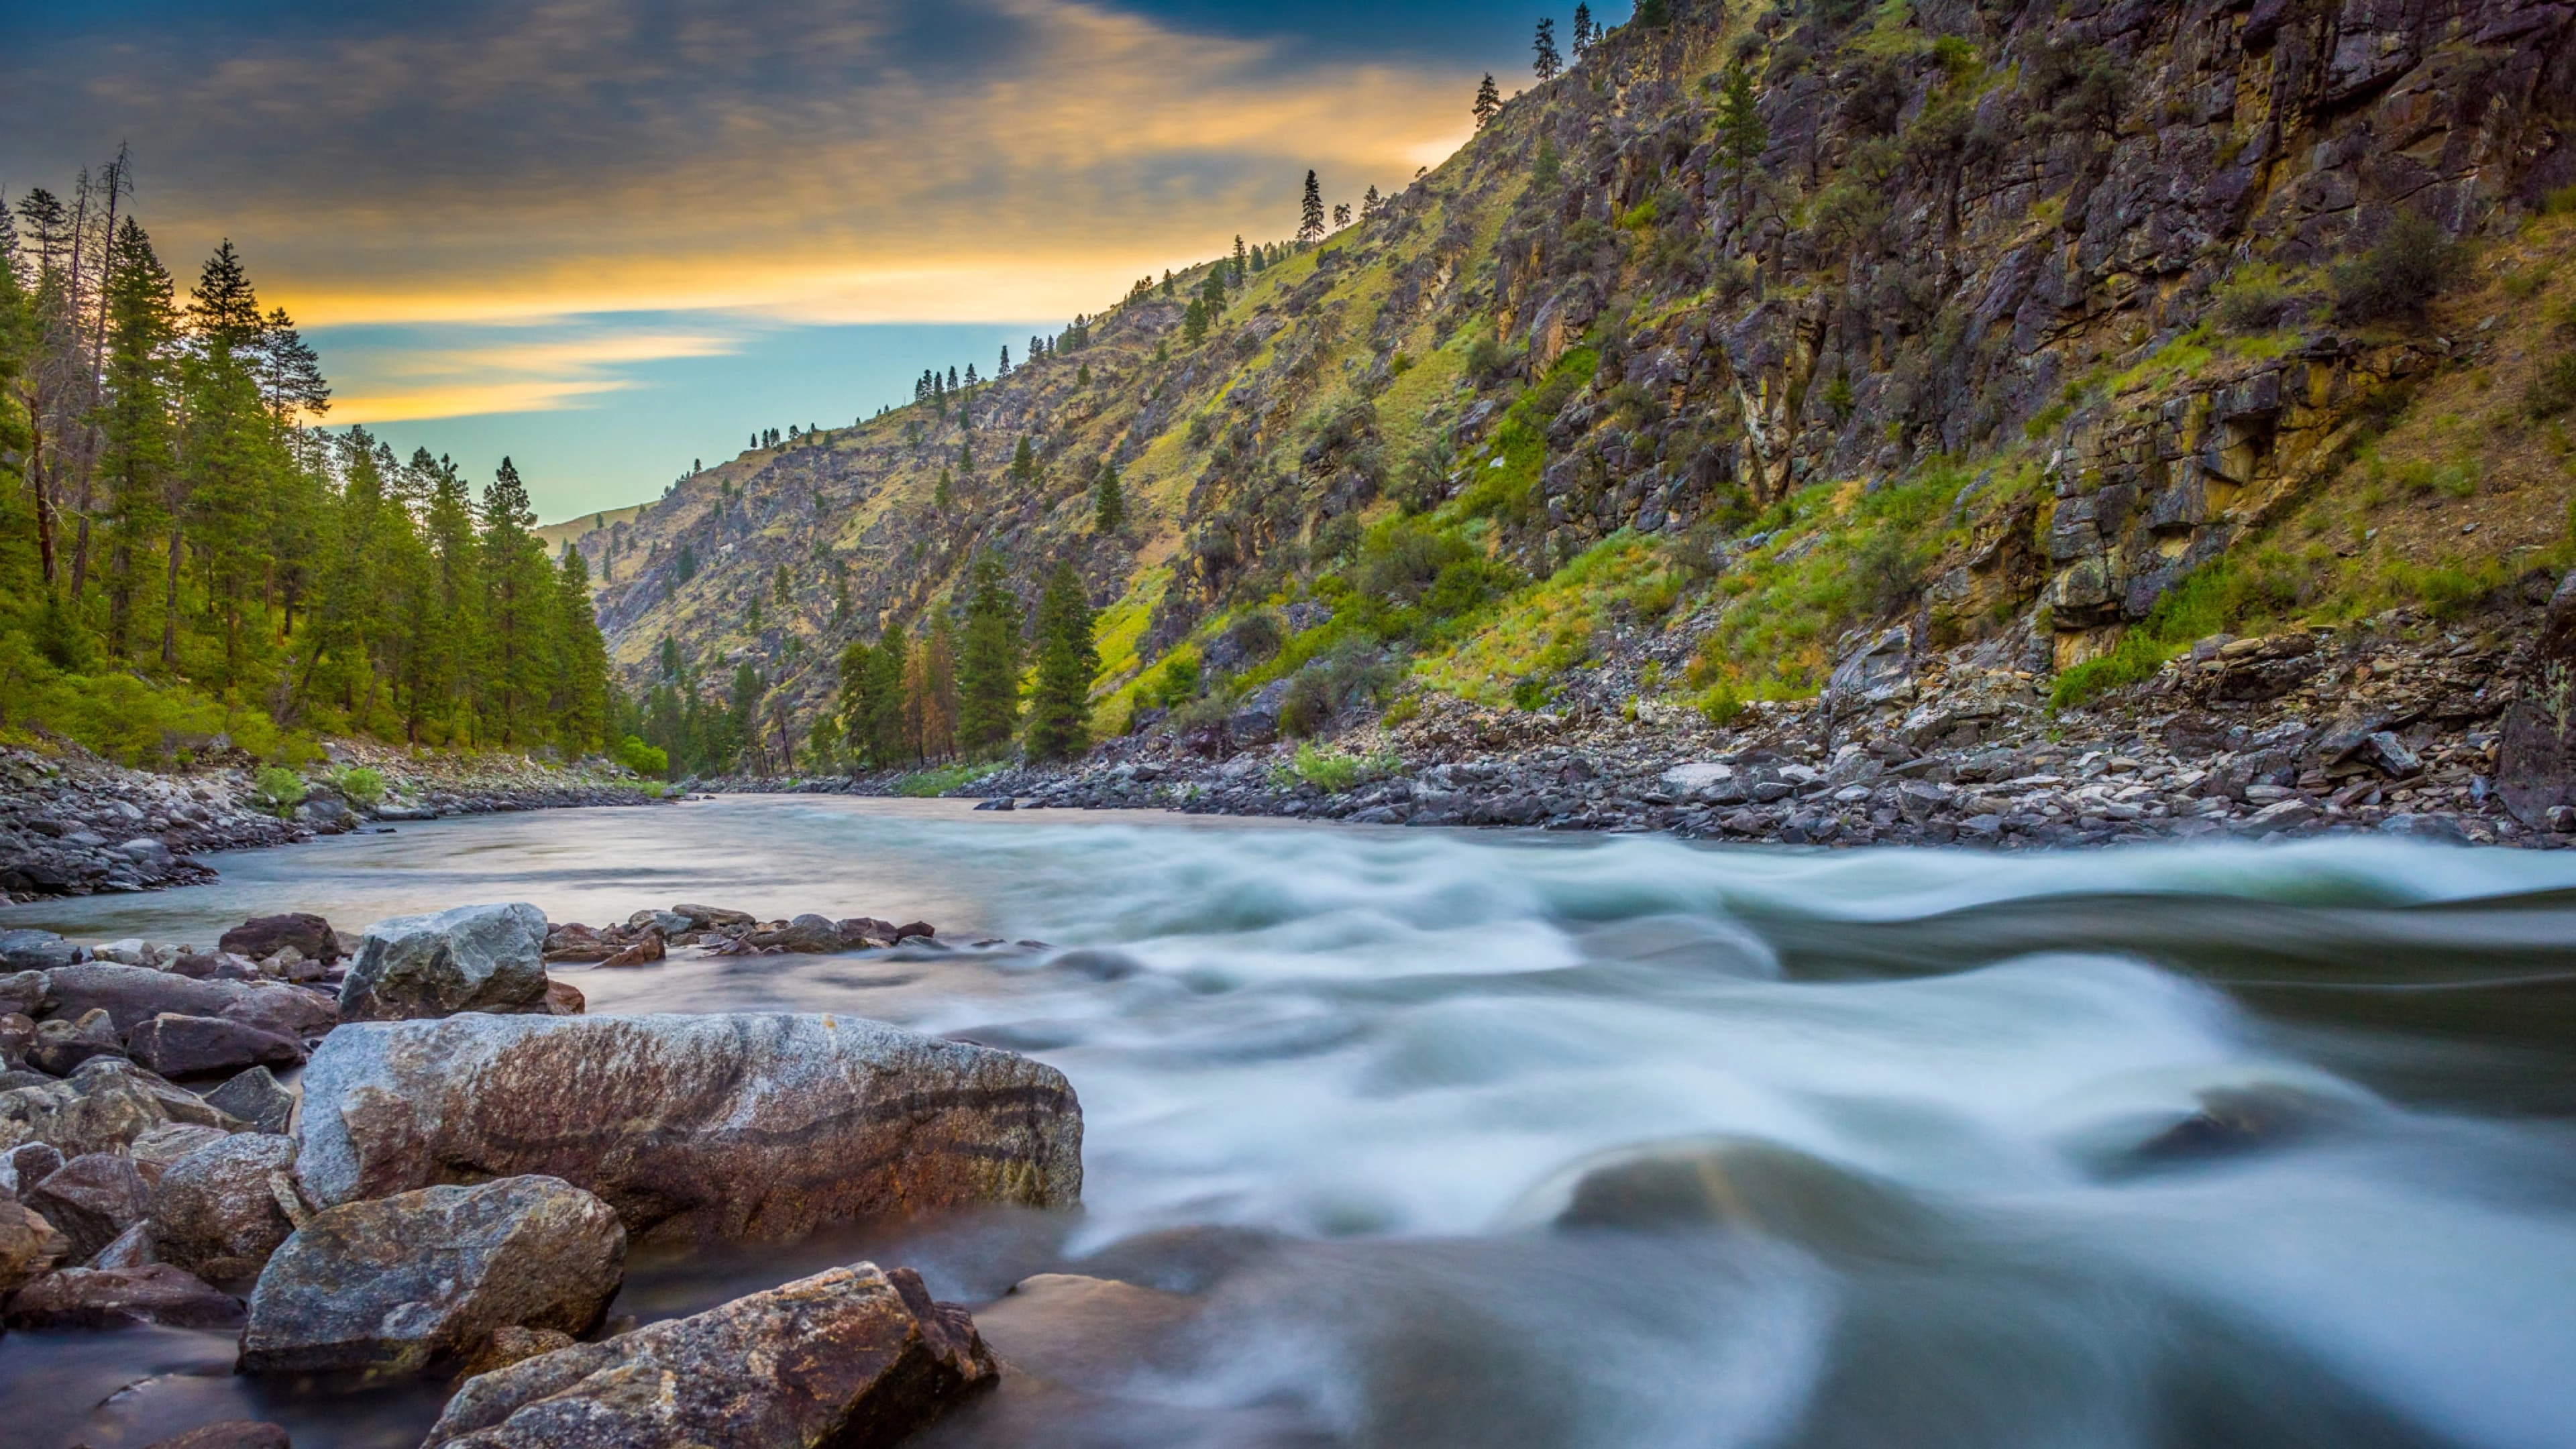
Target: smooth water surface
(1478, 1140)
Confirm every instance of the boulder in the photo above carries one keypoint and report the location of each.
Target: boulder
(29, 1246)
(91, 1199)
(257, 1098)
(17, 1038)
(22, 992)
(133, 995)
(704, 918)
(155, 1293)
(133, 1248)
(647, 950)
(191, 1046)
(261, 937)
(565, 999)
(850, 1356)
(514, 1344)
(62, 1044)
(221, 1211)
(231, 1434)
(757, 1124)
(473, 958)
(2536, 756)
(386, 1288)
(35, 951)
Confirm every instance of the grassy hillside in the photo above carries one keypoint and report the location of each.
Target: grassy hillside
(2070, 335)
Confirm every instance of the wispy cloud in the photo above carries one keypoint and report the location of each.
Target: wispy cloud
(397, 373)
(831, 160)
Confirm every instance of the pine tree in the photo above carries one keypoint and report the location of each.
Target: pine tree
(1194, 323)
(1489, 101)
(1341, 215)
(519, 595)
(137, 460)
(580, 700)
(1024, 463)
(1654, 14)
(1109, 502)
(1371, 204)
(888, 741)
(1310, 224)
(1003, 367)
(1585, 37)
(1742, 136)
(226, 311)
(1242, 261)
(945, 493)
(988, 664)
(855, 705)
(291, 372)
(1060, 697)
(1547, 62)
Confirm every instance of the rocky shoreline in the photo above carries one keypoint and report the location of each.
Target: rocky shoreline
(2402, 724)
(450, 1190)
(72, 824)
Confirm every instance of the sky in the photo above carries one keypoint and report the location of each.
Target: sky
(610, 237)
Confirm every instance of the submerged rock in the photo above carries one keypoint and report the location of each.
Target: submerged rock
(231, 1434)
(386, 1288)
(755, 1124)
(851, 1356)
(473, 958)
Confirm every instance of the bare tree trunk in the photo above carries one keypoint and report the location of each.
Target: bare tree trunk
(115, 185)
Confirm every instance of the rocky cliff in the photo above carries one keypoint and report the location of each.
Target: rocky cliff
(1988, 325)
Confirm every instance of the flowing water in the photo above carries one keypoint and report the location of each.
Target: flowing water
(1417, 1138)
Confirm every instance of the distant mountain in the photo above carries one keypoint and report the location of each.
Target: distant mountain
(1745, 341)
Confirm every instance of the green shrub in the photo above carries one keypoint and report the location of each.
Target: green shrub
(359, 785)
(1329, 770)
(641, 758)
(279, 790)
(1308, 703)
(2398, 276)
(2554, 390)
(1489, 361)
(1722, 706)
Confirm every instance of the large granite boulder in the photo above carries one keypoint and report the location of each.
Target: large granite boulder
(191, 1046)
(154, 1293)
(849, 1357)
(749, 1125)
(166, 1146)
(473, 958)
(133, 995)
(261, 937)
(222, 1210)
(386, 1288)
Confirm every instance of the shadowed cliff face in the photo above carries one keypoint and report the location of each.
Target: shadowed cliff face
(2084, 256)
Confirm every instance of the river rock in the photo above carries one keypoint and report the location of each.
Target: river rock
(851, 1356)
(25, 1165)
(220, 1211)
(261, 937)
(134, 995)
(231, 1434)
(257, 1098)
(190, 1046)
(101, 1107)
(91, 1199)
(22, 992)
(753, 1124)
(387, 1287)
(161, 1148)
(473, 958)
(30, 1246)
(93, 1298)
(514, 1344)
(808, 935)
(35, 950)
(62, 1044)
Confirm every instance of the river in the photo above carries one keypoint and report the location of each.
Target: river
(1468, 1139)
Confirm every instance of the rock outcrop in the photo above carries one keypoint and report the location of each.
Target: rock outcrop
(848, 1357)
(386, 1288)
(749, 1125)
